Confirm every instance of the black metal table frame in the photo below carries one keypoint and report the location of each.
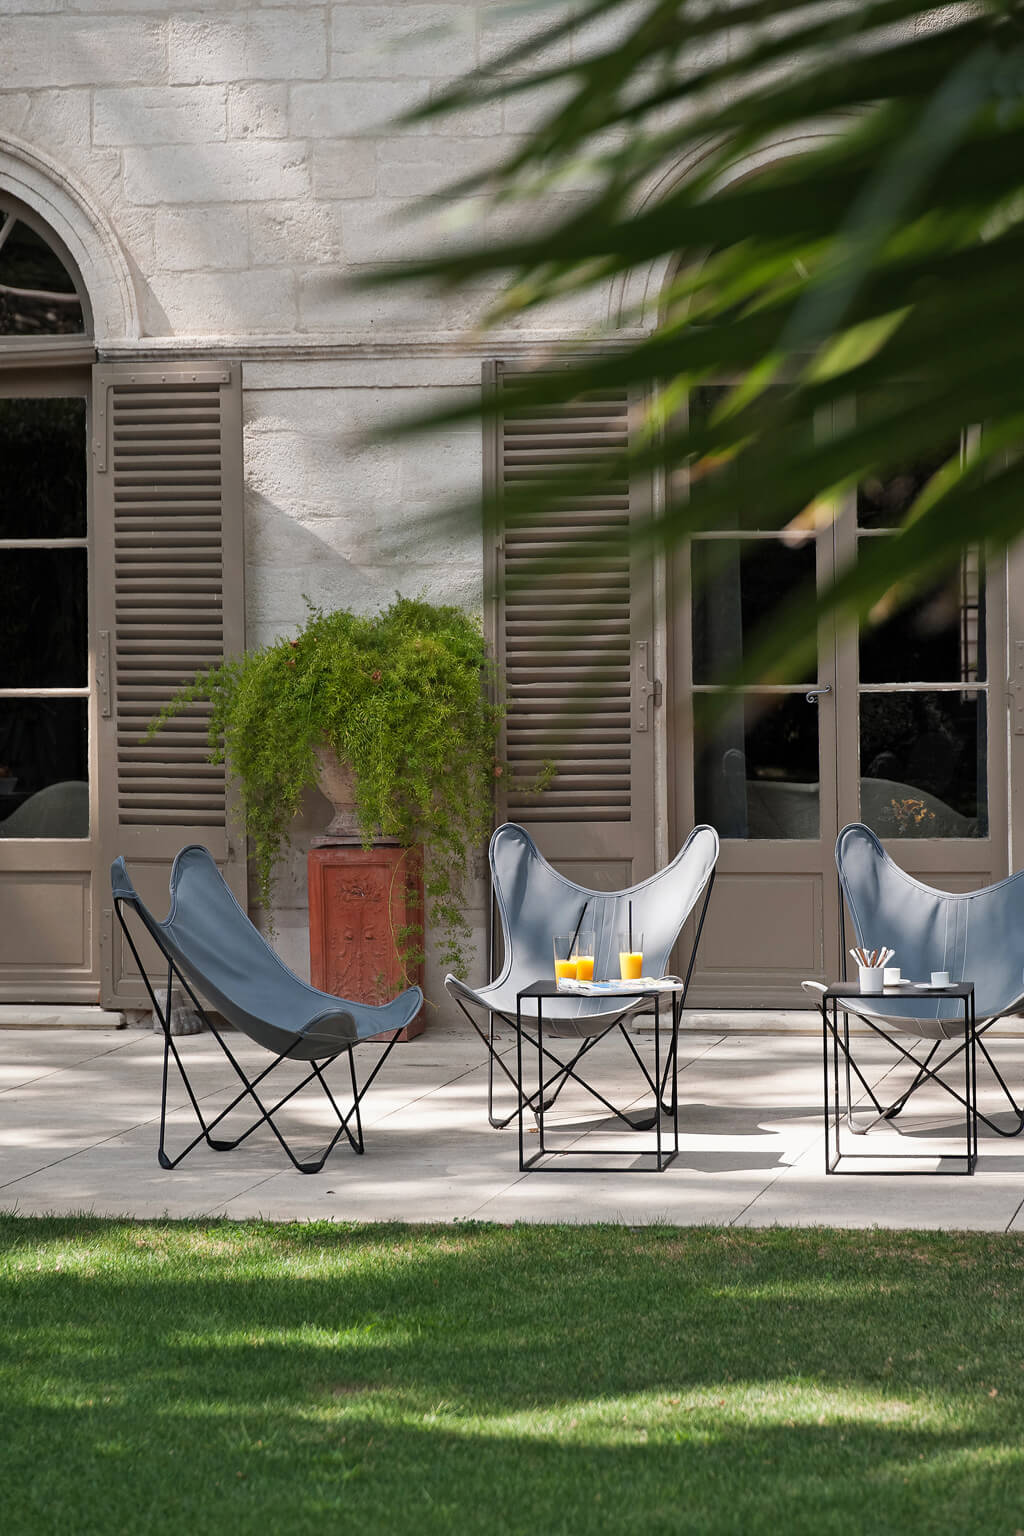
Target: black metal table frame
(540, 990)
(850, 992)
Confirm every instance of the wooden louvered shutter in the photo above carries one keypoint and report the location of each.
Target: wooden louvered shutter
(168, 582)
(572, 628)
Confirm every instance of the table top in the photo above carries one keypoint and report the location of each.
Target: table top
(903, 989)
(548, 987)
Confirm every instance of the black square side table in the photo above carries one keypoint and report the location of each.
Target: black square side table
(664, 1150)
(837, 1036)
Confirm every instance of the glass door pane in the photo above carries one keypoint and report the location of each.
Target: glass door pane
(759, 774)
(757, 764)
(44, 652)
(923, 684)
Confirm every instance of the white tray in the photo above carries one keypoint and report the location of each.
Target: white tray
(641, 984)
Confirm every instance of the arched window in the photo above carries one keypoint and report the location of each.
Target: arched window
(38, 294)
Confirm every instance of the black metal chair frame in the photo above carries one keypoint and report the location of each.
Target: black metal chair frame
(929, 1067)
(565, 1071)
(249, 1084)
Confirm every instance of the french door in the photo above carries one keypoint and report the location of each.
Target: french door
(47, 742)
(902, 726)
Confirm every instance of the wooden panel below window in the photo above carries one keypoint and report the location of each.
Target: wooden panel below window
(762, 938)
(47, 925)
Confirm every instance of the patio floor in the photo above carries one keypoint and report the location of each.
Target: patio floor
(78, 1132)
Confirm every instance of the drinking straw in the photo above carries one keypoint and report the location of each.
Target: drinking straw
(579, 925)
(630, 905)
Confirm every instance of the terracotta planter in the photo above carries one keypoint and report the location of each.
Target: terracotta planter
(358, 899)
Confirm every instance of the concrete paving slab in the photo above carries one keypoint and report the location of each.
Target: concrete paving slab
(79, 1118)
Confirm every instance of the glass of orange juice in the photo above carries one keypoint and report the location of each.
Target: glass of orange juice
(583, 954)
(631, 955)
(566, 962)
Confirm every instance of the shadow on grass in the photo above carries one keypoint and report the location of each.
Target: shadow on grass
(224, 1377)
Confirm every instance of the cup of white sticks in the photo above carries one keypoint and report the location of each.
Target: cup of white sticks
(871, 967)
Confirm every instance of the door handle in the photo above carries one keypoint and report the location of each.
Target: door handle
(817, 692)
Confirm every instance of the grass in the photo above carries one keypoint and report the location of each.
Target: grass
(223, 1377)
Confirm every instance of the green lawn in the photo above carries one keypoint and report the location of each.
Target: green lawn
(223, 1377)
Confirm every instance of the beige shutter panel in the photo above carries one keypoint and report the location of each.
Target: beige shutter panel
(169, 599)
(572, 627)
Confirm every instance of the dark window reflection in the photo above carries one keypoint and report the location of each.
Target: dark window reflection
(922, 764)
(884, 499)
(43, 633)
(44, 758)
(758, 775)
(742, 477)
(42, 469)
(937, 637)
(737, 588)
(37, 293)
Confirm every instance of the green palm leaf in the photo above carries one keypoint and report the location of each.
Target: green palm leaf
(882, 262)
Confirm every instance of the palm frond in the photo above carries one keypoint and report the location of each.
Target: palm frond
(881, 262)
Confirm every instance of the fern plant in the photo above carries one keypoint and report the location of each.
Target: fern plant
(403, 697)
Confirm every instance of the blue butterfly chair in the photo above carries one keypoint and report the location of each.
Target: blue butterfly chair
(534, 901)
(210, 945)
(976, 936)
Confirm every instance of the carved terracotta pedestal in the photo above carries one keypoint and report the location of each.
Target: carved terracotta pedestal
(358, 898)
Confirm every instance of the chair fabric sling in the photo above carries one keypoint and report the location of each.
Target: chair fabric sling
(534, 901)
(976, 936)
(210, 946)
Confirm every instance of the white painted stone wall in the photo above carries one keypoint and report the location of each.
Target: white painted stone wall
(240, 159)
(231, 137)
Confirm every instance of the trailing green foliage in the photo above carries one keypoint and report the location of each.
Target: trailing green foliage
(402, 696)
(827, 202)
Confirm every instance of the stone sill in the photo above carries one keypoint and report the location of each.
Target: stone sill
(58, 1016)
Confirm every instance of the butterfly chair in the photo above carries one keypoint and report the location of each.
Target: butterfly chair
(976, 936)
(534, 901)
(210, 945)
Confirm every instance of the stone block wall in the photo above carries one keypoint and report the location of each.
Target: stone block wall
(230, 137)
(244, 159)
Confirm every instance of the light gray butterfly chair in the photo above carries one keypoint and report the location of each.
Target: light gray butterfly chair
(209, 944)
(976, 936)
(534, 902)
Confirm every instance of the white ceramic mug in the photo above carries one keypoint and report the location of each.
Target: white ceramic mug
(940, 978)
(871, 978)
(892, 977)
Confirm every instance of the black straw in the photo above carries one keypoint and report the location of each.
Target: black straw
(579, 925)
(631, 926)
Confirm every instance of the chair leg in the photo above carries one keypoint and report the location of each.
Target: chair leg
(562, 1073)
(920, 1077)
(926, 1071)
(249, 1086)
(494, 1058)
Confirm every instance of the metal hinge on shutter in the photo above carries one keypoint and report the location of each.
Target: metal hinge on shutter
(644, 686)
(1015, 686)
(103, 673)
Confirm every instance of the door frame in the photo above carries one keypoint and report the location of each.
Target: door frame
(57, 368)
(965, 862)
